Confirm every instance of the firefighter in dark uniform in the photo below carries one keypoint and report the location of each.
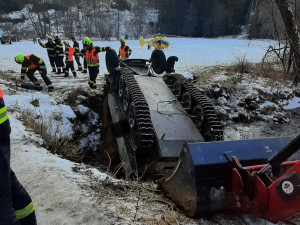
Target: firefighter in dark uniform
(124, 51)
(50, 45)
(83, 56)
(59, 58)
(77, 53)
(92, 58)
(30, 64)
(16, 207)
(69, 52)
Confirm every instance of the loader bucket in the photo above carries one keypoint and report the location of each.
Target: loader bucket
(202, 181)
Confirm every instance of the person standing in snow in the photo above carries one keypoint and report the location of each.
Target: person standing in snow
(124, 51)
(84, 57)
(59, 50)
(93, 61)
(30, 64)
(77, 53)
(16, 207)
(69, 53)
(50, 45)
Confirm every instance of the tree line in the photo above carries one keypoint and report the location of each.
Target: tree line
(112, 18)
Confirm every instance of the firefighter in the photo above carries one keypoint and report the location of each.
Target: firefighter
(30, 64)
(50, 45)
(69, 53)
(84, 57)
(124, 51)
(92, 58)
(59, 58)
(16, 207)
(77, 53)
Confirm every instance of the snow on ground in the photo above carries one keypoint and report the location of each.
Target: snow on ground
(67, 193)
(190, 51)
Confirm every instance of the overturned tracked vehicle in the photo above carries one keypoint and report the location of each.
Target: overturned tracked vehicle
(166, 128)
(156, 114)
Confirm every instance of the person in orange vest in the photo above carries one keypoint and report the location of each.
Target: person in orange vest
(69, 53)
(30, 64)
(124, 51)
(16, 207)
(93, 61)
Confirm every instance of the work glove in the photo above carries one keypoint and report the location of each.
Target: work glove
(41, 61)
(107, 48)
(95, 53)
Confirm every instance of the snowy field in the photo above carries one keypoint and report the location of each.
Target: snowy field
(54, 186)
(191, 52)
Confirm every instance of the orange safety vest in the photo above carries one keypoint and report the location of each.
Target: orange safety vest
(71, 53)
(32, 65)
(91, 59)
(122, 52)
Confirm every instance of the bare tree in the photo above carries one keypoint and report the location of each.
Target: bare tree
(292, 34)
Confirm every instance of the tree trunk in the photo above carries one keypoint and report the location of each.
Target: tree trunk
(118, 25)
(292, 33)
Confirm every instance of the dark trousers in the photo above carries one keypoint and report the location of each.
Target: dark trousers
(14, 199)
(43, 72)
(84, 64)
(21, 200)
(70, 65)
(52, 63)
(93, 73)
(7, 212)
(77, 59)
(59, 60)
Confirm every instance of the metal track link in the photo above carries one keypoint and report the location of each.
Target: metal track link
(144, 137)
(210, 116)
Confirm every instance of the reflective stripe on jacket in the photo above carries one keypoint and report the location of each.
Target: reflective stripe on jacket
(92, 60)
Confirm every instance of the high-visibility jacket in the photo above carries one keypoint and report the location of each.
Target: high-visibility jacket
(69, 52)
(92, 58)
(16, 207)
(124, 52)
(32, 62)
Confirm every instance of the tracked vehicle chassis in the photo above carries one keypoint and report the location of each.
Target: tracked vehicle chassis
(153, 116)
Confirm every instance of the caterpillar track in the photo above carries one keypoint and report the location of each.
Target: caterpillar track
(197, 105)
(136, 110)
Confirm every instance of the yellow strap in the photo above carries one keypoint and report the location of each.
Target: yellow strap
(3, 115)
(22, 213)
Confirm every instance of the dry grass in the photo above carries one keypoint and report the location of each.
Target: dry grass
(55, 143)
(235, 72)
